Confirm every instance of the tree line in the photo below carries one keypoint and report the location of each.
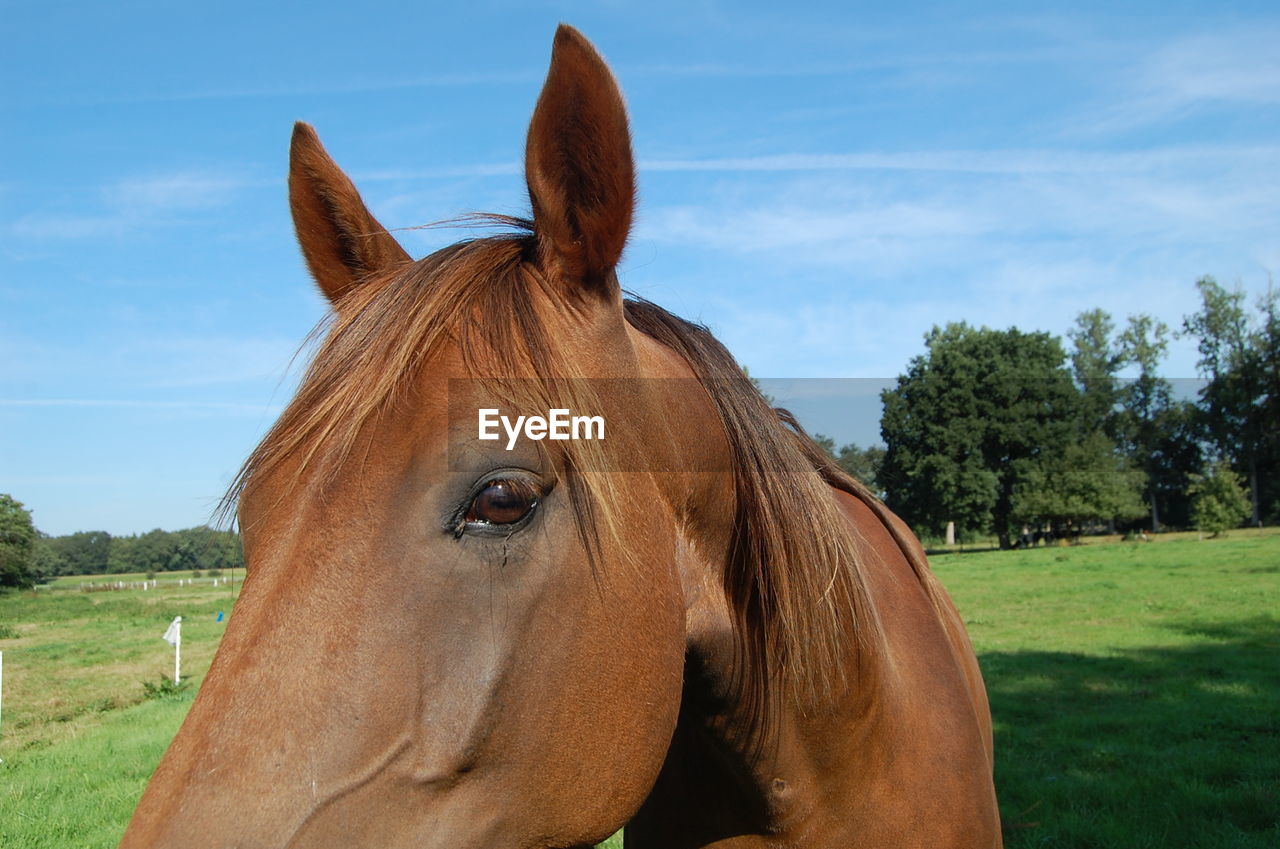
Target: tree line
(28, 556)
(1014, 434)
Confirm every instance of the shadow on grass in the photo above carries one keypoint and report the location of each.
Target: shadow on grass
(1145, 748)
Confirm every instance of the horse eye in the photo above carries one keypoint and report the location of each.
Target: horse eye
(502, 502)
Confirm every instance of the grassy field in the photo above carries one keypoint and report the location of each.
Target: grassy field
(79, 739)
(76, 655)
(1135, 688)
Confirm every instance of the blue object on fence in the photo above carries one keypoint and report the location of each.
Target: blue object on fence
(219, 619)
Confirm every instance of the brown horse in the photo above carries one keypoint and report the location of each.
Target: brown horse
(696, 626)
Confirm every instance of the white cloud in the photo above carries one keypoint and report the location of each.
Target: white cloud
(335, 87)
(171, 192)
(1013, 162)
(1025, 238)
(1128, 201)
(481, 169)
(897, 61)
(1236, 67)
(133, 204)
(1241, 66)
(54, 226)
(212, 360)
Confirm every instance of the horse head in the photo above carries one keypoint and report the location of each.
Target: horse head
(446, 641)
(691, 622)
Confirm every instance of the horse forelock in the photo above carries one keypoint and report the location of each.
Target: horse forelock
(478, 295)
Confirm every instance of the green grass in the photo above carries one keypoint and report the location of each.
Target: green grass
(80, 736)
(81, 791)
(1135, 689)
(80, 654)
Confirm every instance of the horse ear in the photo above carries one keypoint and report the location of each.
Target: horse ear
(579, 167)
(341, 241)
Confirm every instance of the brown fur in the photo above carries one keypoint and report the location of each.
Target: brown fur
(793, 618)
(706, 628)
(796, 595)
(341, 242)
(578, 164)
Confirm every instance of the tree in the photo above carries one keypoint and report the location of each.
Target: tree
(1218, 500)
(17, 540)
(155, 551)
(212, 549)
(167, 551)
(1137, 414)
(1266, 358)
(826, 443)
(1095, 362)
(1240, 360)
(968, 423)
(84, 552)
(1145, 402)
(124, 556)
(1084, 483)
(1178, 451)
(864, 464)
(755, 381)
(861, 463)
(46, 563)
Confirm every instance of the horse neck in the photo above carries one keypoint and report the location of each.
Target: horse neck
(821, 773)
(689, 438)
(817, 771)
(727, 776)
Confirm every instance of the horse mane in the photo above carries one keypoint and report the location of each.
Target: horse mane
(478, 294)
(792, 576)
(838, 478)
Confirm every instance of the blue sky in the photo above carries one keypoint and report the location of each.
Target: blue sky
(819, 186)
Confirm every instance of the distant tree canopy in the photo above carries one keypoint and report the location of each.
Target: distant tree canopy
(1084, 482)
(990, 429)
(1240, 402)
(1218, 500)
(972, 421)
(99, 553)
(1095, 363)
(861, 463)
(17, 543)
(1139, 414)
(81, 553)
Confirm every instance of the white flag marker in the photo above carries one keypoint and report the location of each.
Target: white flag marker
(173, 636)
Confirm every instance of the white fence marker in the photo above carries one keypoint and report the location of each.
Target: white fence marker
(173, 636)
